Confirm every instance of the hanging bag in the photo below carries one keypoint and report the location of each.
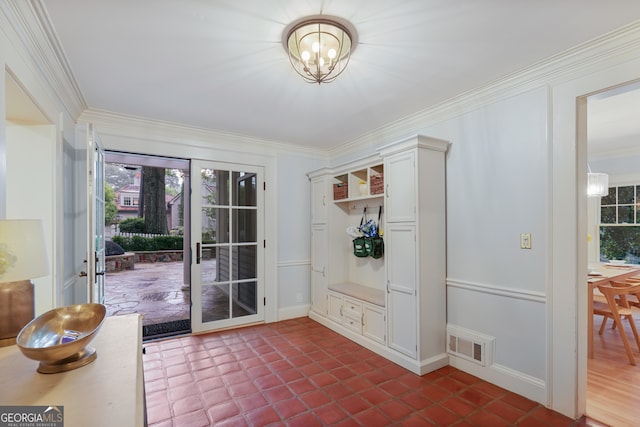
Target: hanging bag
(359, 247)
(375, 244)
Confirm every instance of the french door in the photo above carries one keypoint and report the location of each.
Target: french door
(95, 217)
(227, 262)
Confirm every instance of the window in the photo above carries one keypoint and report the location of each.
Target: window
(126, 201)
(620, 224)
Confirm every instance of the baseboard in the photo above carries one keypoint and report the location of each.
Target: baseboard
(415, 366)
(294, 312)
(507, 378)
(431, 364)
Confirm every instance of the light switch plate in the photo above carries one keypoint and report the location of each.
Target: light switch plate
(525, 241)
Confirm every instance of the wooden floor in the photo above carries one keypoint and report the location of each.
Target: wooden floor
(613, 385)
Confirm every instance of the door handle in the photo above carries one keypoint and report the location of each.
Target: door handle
(198, 252)
(83, 273)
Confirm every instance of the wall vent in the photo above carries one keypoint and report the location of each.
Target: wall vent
(470, 345)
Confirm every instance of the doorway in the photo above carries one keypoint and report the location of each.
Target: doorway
(612, 146)
(147, 258)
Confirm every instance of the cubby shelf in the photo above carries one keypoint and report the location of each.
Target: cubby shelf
(378, 197)
(359, 184)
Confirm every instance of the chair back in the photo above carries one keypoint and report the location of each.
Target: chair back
(616, 293)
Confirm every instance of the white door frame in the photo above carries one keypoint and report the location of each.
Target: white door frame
(197, 287)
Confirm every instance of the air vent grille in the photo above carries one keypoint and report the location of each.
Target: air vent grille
(470, 345)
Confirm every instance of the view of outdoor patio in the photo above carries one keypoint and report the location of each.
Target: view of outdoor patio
(156, 291)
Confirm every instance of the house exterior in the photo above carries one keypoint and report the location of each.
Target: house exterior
(517, 164)
(127, 199)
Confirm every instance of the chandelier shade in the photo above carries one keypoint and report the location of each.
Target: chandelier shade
(597, 184)
(319, 48)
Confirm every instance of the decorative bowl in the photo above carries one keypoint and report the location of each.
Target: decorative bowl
(58, 338)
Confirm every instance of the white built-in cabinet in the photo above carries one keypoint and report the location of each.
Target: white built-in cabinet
(319, 279)
(394, 305)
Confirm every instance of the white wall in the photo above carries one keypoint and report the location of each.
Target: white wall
(31, 194)
(497, 188)
(502, 133)
(518, 164)
(294, 234)
(18, 63)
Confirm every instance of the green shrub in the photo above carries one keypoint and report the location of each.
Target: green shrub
(132, 225)
(152, 243)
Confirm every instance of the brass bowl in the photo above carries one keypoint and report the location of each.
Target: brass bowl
(58, 338)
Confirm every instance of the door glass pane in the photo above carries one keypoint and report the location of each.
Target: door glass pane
(245, 265)
(209, 264)
(244, 189)
(222, 264)
(244, 225)
(215, 302)
(215, 225)
(99, 208)
(245, 299)
(214, 187)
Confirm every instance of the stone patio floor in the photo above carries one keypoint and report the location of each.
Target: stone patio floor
(151, 289)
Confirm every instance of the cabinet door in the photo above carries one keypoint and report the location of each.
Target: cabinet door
(400, 176)
(319, 200)
(400, 253)
(335, 307)
(319, 273)
(374, 326)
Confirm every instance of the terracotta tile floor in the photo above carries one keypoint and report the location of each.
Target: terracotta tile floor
(299, 373)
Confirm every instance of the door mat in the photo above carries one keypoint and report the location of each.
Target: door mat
(166, 329)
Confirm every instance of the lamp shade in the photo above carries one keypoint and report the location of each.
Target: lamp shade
(597, 184)
(22, 250)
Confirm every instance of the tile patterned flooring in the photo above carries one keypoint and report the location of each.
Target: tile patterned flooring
(299, 373)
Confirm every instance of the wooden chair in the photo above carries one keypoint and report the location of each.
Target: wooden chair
(618, 308)
(635, 301)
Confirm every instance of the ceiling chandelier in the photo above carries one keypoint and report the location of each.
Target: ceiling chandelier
(597, 184)
(319, 47)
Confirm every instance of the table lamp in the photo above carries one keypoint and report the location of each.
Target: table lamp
(22, 257)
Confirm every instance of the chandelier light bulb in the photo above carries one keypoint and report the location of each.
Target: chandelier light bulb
(319, 47)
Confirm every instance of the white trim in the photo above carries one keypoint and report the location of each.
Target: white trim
(293, 312)
(568, 322)
(295, 263)
(521, 294)
(502, 376)
(144, 129)
(573, 62)
(34, 30)
(418, 367)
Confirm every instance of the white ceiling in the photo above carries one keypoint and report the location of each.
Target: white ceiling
(221, 65)
(613, 124)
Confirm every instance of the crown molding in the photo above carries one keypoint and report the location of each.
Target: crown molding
(608, 154)
(619, 45)
(41, 47)
(144, 129)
